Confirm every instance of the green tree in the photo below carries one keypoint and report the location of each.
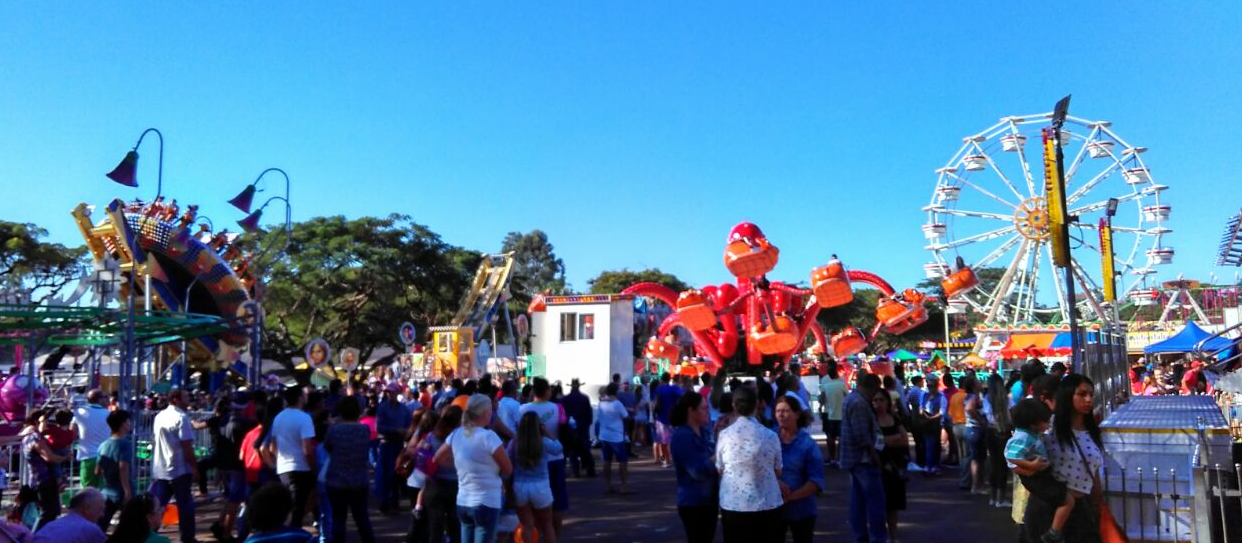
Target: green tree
(613, 281)
(353, 282)
(29, 263)
(536, 267)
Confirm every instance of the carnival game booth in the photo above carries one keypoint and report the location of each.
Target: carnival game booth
(587, 337)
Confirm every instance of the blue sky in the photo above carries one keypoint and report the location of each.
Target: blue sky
(636, 134)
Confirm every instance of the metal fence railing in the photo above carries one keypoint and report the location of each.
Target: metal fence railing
(1201, 503)
(1104, 360)
(12, 465)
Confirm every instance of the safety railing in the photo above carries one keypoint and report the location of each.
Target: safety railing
(12, 464)
(1203, 352)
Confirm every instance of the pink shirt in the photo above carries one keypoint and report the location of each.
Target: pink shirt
(369, 421)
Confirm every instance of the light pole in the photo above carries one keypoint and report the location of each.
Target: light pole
(1106, 251)
(251, 224)
(1110, 294)
(185, 352)
(1059, 219)
(126, 173)
(948, 346)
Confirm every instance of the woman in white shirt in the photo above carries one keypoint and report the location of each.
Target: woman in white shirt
(748, 456)
(480, 460)
(1076, 453)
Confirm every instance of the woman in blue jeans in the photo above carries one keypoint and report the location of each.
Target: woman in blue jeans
(480, 459)
(976, 436)
(349, 443)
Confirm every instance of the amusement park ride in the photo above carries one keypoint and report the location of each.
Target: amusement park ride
(453, 346)
(990, 208)
(770, 318)
(184, 290)
(185, 265)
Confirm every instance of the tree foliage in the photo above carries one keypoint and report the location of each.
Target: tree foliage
(27, 262)
(613, 281)
(536, 267)
(353, 282)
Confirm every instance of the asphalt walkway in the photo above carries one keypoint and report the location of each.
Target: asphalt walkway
(938, 512)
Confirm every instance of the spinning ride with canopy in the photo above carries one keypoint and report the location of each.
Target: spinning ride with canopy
(771, 318)
(187, 267)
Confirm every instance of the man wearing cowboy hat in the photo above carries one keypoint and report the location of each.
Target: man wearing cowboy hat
(578, 407)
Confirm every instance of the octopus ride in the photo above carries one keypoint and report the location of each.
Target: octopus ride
(766, 318)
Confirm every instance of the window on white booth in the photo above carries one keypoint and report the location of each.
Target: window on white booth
(586, 326)
(569, 326)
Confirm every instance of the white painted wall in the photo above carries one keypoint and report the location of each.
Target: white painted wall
(592, 361)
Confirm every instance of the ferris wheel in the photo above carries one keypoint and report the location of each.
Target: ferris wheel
(988, 210)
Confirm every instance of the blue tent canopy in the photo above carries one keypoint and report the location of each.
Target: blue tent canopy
(1186, 340)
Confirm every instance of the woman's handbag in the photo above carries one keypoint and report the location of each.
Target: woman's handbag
(1110, 531)
(405, 464)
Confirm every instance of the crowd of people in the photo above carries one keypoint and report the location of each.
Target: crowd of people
(486, 460)
(746, 463)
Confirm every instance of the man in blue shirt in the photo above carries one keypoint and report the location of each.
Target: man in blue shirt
(666, 396)
(79, 524)
(392, 421)
(915, 395)
(630, 402)
(860, 433)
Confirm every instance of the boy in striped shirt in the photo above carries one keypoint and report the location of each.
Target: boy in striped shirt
(1027, 456)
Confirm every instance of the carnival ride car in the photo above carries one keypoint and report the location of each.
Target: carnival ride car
(769, 318)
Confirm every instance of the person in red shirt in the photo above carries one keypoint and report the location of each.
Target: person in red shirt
(1192, 379)
(59, 437)
(424, 395)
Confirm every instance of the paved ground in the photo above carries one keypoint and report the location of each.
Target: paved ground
(937, 512)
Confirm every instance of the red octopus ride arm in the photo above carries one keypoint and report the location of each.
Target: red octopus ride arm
(655, 290)
(877, 282)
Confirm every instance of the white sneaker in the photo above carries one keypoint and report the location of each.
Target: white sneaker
(991, 502)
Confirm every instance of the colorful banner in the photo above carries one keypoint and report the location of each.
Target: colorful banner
(1136, 340)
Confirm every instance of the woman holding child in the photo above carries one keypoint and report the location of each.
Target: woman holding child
(1075, 456)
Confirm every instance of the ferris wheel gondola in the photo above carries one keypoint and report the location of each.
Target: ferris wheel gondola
(989, 210)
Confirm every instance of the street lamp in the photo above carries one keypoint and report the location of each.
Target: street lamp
(243, 201)
(1106, 251)
(126, 173)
